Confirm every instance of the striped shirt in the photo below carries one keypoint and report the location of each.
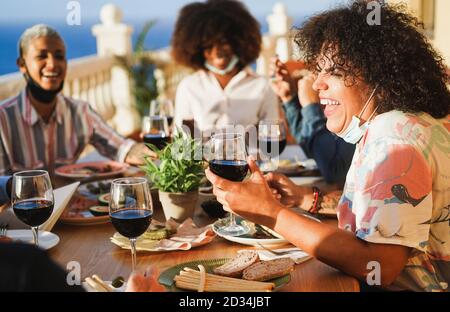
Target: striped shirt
(27, 142)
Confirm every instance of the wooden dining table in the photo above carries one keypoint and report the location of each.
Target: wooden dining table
(91, 248)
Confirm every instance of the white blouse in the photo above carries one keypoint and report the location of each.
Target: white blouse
(247, 99)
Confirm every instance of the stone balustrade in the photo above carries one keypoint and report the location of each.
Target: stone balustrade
(99, 80)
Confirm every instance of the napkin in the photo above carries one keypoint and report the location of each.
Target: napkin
(296, 254)
(187, 236)
(62, 197)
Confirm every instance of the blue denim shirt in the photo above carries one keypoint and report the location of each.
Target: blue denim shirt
(308, 125)
(4, 196)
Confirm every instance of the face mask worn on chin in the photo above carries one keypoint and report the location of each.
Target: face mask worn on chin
(355, 131)
(233, 62)
(40, 94)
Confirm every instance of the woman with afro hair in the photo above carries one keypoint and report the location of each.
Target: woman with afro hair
(384, 89)
(219, 39)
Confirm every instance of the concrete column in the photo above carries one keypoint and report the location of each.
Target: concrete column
(280, 25)
(114, 38)
(441, 29)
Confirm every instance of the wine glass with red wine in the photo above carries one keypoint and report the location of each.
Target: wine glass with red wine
(271, 139)
(229, 161)
(130, 209)
(155, 130)
(163, 107)
(32, 199)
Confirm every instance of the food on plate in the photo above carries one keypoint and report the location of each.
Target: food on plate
(118, 282)
(191, 279)
(235, 266)
(330, 202)
(104, 199)
(92, 169)
(288, 163)
(98, 284)
(99, 210)
(157, 234)
(267, 270)
(262, 232)
(97, 188)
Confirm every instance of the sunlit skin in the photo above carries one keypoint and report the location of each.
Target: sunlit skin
(254, 198)
(220, 56)
(139, 282)
(330, 84)
(45, 59)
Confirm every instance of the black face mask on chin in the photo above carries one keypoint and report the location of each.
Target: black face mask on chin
(40, 94)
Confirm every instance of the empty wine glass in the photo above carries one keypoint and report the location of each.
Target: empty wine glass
(271, 139)
(32, 199)
(155, 130)
(229, 161)
(130, 209)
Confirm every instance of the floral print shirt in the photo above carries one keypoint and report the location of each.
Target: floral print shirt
(398, 192)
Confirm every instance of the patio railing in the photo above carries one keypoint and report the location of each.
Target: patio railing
(99, 80)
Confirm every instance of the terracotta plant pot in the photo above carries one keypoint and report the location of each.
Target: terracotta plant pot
(178, 206)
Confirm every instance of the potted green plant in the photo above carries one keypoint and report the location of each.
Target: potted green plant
(177, 175)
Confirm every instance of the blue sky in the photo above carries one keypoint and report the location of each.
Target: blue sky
(20, 10)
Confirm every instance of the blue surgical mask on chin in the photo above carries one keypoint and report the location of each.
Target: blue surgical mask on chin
(355, 131)
(231, 65)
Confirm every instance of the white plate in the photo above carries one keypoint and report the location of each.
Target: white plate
(47, 240)
(245, 240)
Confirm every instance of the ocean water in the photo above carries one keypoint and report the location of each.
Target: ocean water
(79, 39)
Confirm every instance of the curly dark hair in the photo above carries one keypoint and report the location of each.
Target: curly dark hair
(394, 55)
(201, 25)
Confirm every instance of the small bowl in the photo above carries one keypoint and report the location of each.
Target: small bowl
(213, 208)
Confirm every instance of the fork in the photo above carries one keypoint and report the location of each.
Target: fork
(276, 252)
(3, 229)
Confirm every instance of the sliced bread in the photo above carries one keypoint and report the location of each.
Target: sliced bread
(235, 266)
(267, 270)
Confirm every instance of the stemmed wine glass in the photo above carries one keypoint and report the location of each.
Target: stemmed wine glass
(130, 209)
(163, 107)
(155, 130)
(229, 161)
(271, 138)
(32, 199)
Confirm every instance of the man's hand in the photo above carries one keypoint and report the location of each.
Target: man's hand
(137, 153)
(282, 83)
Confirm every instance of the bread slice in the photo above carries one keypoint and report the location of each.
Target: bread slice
(235, 266)
(267, 270)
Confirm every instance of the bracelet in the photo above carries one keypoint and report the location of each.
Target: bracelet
(317, 200)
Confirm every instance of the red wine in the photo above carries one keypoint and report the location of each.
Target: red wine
(33, 212)
(268, 145)
(131, 223)
(169, 120)
(233, 170)
(159, 140)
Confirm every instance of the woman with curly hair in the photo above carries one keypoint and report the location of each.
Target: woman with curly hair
(219, 39)
(384, 89)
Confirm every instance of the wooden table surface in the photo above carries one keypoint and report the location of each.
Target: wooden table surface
(91, 247)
